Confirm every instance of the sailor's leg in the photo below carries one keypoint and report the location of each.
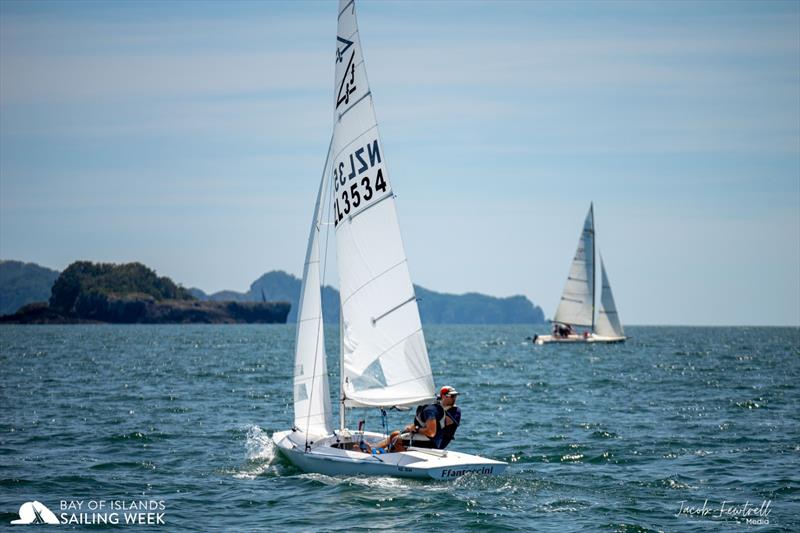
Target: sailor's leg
(386, 443)
(395, 443)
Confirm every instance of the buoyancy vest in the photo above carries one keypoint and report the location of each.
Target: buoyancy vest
(449, 430)
(444, 432)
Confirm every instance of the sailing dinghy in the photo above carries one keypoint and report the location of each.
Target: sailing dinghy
(577, 306)
(384, 359)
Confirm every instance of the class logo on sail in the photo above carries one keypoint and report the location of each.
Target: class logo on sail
(348, 84)
(35, 512)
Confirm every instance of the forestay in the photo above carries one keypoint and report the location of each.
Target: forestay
(577, 301)
(608, 323)
(312, 402)
(385, 361)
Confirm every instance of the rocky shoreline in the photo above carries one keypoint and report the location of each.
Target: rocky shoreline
(146, 310)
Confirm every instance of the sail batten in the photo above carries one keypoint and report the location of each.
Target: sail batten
(343, 113)
(395, 308)
(375, 278)
(373, 127)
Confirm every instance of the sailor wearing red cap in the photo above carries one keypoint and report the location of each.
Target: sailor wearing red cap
(434, 425)
(452, 415)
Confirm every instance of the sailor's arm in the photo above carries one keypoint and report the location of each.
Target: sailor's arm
(429, 430)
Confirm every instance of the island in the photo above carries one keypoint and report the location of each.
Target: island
(132, 293)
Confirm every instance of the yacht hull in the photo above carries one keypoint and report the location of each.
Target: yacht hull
(324, 458)
(577, 339)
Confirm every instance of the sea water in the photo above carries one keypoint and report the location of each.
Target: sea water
(678, 429)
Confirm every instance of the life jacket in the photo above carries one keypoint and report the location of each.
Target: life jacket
(449, 431)
(421, 423)
(444, 433)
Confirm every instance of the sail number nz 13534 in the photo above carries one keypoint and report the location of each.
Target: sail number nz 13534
(358, 179)
(358, 193)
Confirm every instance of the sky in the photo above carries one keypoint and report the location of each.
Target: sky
(191, 136)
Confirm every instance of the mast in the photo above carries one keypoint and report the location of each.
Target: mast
(341, 366)
(594, 277)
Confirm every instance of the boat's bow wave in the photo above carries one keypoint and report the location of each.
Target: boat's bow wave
(261, 455)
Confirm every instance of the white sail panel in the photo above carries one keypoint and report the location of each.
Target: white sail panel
(312, 402)
(385, 361)
(608, 323)
(577, 300)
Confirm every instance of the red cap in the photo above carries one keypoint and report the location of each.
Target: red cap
(447, 391)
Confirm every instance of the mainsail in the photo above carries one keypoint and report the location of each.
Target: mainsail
(312, 402)
(608, 324)
(384, 358)
(577, 301)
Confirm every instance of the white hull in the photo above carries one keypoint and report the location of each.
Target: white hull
(577, 339)
(322, 457)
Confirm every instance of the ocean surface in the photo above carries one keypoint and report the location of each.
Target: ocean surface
(679, 429)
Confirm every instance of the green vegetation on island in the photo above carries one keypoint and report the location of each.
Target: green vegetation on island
(83, 285)
(132, 293)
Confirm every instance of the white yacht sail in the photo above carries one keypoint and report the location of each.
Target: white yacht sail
(577, 300)
(385, 360)
(608, 323)
(312, 402)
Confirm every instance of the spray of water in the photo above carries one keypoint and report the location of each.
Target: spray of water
(259, 446)
(260, 453)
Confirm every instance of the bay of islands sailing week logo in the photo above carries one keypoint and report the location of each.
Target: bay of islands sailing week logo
(358, 177)
(95, 512)
(35, 513)
(348, 84)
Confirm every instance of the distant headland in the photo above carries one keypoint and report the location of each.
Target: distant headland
(24, 284)
(434, 307)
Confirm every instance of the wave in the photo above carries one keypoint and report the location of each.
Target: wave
(138, 436)
(261, 455)
(755, 403)
(15, 482)
(124, 465)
